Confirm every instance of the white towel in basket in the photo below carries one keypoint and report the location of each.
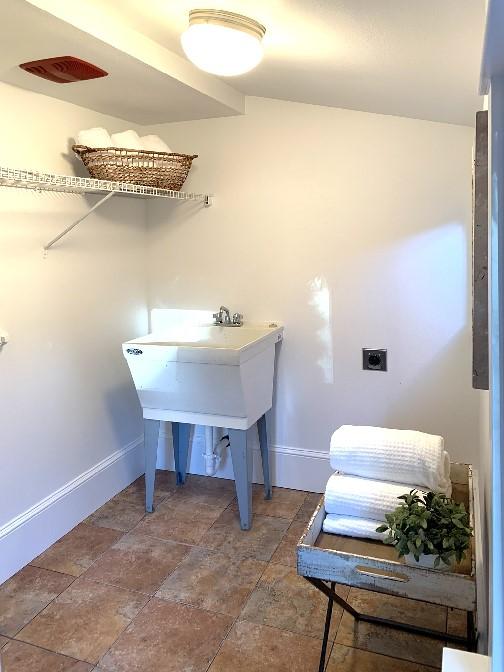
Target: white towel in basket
(94, 137)
(153, 143)
(362, 497)
(350, 526)
(126, 140)
(401, 456)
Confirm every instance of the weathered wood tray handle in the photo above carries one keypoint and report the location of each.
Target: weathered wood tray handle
(370, 571)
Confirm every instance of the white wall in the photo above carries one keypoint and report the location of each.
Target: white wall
(67, 404)
(354, 230)
(351, 228)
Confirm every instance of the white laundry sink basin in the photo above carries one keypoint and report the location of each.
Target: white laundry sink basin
(194, 373)
(206, 344)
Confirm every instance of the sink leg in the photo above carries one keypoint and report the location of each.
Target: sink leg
(151, 436)
(181, 432)
(262, 429)
(242, 467)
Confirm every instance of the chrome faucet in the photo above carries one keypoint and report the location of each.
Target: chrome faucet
(223, 318)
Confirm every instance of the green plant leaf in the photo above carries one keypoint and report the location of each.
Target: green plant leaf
(431, 524)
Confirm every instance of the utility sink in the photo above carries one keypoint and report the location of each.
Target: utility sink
(207, 344)
(205, 369)
(204, 374)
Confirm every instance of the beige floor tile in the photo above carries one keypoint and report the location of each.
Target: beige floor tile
(260, 542)
(399, 609)
(283, 504)
(346, 659)
(181, 521)
(205, 490)
(285, 554)
(258, 648)
(136, 496)
(119, 513)
(379, 639)
(165, 485)
(84, 621)
(213, 581)
(77, 550)
(308, 507)
(386, 641)
(28, 592)
(284, 600)
(168, 637)
(21, 657)
(103, 617)
(138, 562)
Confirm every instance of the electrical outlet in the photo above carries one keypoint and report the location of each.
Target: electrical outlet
(374, 359)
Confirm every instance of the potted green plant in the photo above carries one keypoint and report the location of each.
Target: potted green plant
(430, 530)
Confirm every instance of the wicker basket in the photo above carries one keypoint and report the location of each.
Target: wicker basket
(152, 169)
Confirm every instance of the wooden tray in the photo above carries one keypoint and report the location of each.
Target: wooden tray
(374, 566)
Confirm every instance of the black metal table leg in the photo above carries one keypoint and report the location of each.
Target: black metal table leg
(471, 632)
(469, 642)
(323, 651)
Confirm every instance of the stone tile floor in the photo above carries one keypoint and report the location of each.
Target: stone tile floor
(184, 589)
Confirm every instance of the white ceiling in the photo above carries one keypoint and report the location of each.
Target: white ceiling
(414, 58)
(146, 84)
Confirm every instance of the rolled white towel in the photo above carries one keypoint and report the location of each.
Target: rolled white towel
(126, 140)
(153, 143)
(401, 456)
(362, 497)
(94, 137)
(350, 526)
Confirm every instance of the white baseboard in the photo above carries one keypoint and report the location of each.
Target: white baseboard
(29, 534)
(295, 468)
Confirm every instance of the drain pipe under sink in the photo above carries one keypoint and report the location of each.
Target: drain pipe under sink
(212, 459)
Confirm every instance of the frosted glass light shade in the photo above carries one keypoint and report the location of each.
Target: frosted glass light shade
(223, 43)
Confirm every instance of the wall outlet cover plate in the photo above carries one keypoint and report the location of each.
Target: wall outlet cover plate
(374, 359)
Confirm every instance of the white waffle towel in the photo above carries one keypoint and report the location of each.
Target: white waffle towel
(126, 140)
(94, 137)
(350, 526)
(362, 497)
(401, 456)
(153, 143)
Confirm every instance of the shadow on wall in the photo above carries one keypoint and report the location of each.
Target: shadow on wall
(429, 403)
(437, 396)
(172, 213)
(430, 276)
(119, 401)
(75, 165)
(411, 297)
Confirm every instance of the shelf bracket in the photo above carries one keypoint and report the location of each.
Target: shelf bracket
(78, 221)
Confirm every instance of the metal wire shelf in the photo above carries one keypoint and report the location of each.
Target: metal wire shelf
(32, 179)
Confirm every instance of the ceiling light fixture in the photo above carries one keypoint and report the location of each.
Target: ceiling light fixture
(223, 43)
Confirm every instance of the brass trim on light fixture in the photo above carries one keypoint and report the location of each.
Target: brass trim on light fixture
(228, 20)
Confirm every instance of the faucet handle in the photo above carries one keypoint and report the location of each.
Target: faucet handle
(238, 318)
